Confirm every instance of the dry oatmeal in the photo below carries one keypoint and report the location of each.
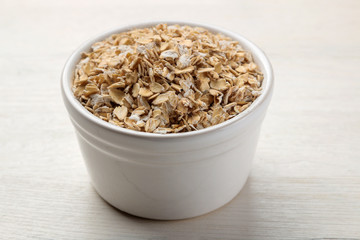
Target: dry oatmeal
(166, 79)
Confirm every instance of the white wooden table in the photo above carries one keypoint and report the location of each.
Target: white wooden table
(305, 182)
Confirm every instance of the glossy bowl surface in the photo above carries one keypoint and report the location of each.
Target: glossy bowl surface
(170, 176)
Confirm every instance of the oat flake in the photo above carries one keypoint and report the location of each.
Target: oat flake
(167, 79)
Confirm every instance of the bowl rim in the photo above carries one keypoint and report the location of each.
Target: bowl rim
(244, 42)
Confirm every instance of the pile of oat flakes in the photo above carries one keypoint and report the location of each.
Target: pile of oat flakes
(166, 79)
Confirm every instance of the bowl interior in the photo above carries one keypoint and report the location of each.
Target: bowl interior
(259, 57)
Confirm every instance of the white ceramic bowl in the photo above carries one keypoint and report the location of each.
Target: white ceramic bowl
(173, 176)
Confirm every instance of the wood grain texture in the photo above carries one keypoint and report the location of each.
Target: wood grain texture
(305, 181)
